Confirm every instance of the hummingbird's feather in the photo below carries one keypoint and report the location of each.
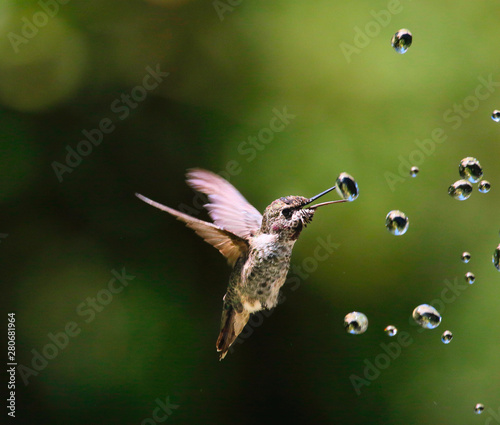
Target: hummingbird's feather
(227, 208)
(230, 245)
(232, 324)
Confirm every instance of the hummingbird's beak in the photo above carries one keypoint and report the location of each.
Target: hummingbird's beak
(310, 200)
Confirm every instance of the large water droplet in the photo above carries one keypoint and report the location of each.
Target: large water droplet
(347, 187)
(470, 277)
(401, 41)
(460, 190)
(446, 337)
(496, 258)
(391, 330)
(414, 171)
(397, 222)
(470, 169)
(355, 323)
(427, 316)
(495, 116)
(466, 257)
(478, 409)
(484, 186)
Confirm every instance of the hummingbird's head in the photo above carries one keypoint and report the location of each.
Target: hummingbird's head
(287, 216)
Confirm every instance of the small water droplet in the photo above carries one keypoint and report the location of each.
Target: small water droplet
(470, 278)
(460, 190)
(470, 169)
(495, 116)
(465, 257)
(446, 337)
(484, 186)
(396, 222)
(355, 323)
(427, 316)
(414, 171)
(402, 40)
(478, 409)
(347, 187)
(391, 330)
(496, 258)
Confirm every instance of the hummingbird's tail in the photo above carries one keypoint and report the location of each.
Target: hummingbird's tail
(232, 323)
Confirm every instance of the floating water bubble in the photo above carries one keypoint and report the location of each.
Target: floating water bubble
(427, 316)
(470, 169)
(465, 257)
(391, 330)
(414, 171)
(401, 41)
(446, 337)
(484, 186)
(495, 116)
(470, 278)
(460, 190)
(347, 187)
(397, 222)
(478, 409)
(355, 323)
(496, 258)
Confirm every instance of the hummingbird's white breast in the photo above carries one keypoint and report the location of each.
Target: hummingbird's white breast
(264, 272)
(263, 242)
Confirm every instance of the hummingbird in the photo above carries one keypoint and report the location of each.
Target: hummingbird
(257, 247)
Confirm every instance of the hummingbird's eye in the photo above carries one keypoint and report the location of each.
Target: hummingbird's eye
(287, 213)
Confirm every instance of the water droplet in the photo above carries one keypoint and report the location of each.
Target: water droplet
(355, 323)
(397, 222)
(495, 116)
(496, 258)
(470, 169)
(347, 187)
(446, 337)
(391, 330)
(484, 186)
(465, 257)
(460, 190)
(414, 171)
(470, 278)
(426, 316)
(478, 409)
(401, 41)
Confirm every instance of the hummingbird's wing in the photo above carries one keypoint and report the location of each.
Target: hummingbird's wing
(227, 208)
(230, 245)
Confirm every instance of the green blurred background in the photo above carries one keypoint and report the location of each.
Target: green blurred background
(229, 68)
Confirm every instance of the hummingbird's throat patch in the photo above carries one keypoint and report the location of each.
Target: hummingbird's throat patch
(297, 231)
